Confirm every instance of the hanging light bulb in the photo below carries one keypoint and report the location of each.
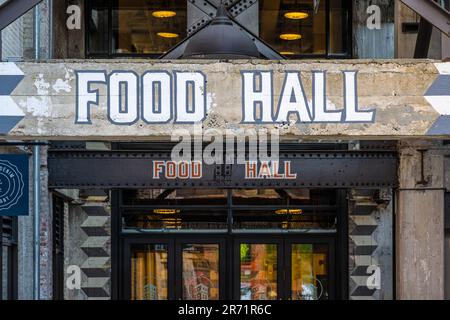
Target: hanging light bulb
(296, 15)
(290, 36)
(164, 14)
(168, 35)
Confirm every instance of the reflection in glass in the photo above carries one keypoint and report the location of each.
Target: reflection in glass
(139, 26)
(338, 27)
(149, 272)
(309, 272)
(200, 271)
(258, 279)
(98, 31)
(310, 30)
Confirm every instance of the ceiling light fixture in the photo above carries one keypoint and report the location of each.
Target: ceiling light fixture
(166, 211)
(289, 211)
(164, 14)
(167, 35)
(290, 36)
(296, 15)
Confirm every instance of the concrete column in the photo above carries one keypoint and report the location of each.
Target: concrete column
(420, 221)
(46, 282)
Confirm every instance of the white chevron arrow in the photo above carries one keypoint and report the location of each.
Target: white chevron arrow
(438, 95)
(10, 112)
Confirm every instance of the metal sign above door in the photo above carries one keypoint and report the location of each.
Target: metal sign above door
(82, 169)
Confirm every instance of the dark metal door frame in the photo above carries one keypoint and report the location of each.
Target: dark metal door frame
(229, 273)
(174, 249)
(284, 244)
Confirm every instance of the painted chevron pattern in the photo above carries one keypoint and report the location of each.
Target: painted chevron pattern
(362, 246)
(438, 95)
(96, 267)
(10, 113)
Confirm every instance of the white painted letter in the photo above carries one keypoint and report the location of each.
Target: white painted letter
(86, 97)
(190, 97)
(257, 95)
(123, 97)
(351, 100)
(293, 100)
(321, 114)
(156, 97)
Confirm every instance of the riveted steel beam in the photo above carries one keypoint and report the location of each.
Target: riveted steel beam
(83, 169)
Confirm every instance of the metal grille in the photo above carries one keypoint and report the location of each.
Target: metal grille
(7, 230)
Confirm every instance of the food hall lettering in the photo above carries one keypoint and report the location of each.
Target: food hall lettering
(157, 97)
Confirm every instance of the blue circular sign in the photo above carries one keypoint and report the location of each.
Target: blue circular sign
(11, 185)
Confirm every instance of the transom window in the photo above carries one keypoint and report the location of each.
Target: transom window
(149, 28)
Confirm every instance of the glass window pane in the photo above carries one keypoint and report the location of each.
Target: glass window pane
(98, 31)
(294, 27)
(201, 272)
(148, 27)
(309, 272)
(170, 218)
(149, 272)
(339, 16)
(258, 274)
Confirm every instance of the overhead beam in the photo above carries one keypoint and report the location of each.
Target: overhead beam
(12, 10)
(432, 12)
(423, 39)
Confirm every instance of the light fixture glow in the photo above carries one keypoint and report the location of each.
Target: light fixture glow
(166, 211)
(296, 15)
(287, 53)
(289, 211)
(167, 35)
(164, 14)
(290, 36)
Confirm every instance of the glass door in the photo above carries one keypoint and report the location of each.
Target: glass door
(175, 268)
(292, 268)
(308, 266)
(149, 272)
(258, 271)
(200, 269)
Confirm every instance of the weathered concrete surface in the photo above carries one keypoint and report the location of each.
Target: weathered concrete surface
(420, 222)
(395, 89)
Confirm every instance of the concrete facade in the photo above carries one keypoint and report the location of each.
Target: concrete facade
(48, 98)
